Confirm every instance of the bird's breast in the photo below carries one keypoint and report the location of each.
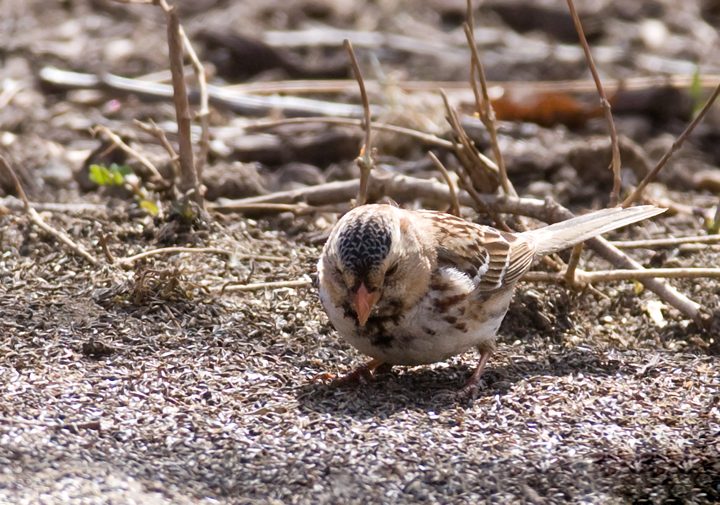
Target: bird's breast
(446, 321)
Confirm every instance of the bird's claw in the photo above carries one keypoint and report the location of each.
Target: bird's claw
(471, 389)
(362, 374)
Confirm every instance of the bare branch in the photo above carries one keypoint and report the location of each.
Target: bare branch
(487, 115)
(189, 180)
(366, 160)
(666, 242)
(454, 203)
(197, 250)
(262, 285)
(132, 152)
(676, 145)
(615, 195)
(584, 277)
(204, 113)
(40, 223)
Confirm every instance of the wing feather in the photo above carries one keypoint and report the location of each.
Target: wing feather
(492, 259)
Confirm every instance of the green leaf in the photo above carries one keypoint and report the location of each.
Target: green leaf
(113, 176)
(123, 170)
(149, 206)
(101, 175)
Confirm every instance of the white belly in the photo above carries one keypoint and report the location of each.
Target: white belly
(425, 335)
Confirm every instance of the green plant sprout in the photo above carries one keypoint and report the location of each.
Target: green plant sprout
(123, 175)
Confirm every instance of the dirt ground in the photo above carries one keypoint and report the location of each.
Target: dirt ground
(151, 384)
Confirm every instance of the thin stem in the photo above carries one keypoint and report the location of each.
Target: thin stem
(676, 145)
(454, 203)
(617, 181)
(365, 161)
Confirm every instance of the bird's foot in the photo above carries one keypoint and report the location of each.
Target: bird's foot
(471, 389)
(475, 383)
(361, 374)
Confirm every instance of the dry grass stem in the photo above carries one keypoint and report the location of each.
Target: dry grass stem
(676, 145)
(573, 264)
(189, 177)
(196, 250)
(425, 137)
(301, 87)
(666, 242)
(13, 203)
(157, 132)
(132, 152)
(298, 209)
(262, 285)
(584, 277)
(487, 115)
(615, 164)
(484, 176)
(104, 246)
(40, 223)
(454, 203)
(366, 160)
(203, 113)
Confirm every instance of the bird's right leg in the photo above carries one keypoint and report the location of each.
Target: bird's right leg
(474, 383)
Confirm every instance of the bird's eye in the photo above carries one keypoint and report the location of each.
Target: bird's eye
(390, 271)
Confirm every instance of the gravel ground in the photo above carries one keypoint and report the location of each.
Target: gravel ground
(168, 393)
(153, 384)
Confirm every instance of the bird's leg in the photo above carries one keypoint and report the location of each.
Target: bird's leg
(472, 386)
(361, 373)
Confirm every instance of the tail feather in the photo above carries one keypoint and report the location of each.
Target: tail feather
(564, 234)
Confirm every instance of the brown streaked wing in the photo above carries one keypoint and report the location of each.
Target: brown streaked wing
(492, 258)
(458, 243)
(522, 254)
(498, 250)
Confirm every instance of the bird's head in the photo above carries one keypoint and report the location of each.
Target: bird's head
(375, 261)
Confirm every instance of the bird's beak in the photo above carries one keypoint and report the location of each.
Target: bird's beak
(364, 301)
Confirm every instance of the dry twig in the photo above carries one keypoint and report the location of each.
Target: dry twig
(104, 246)
(40, 223)
(585, 277)
(199, 250)
(487, 115)
(132, 152)
(261, 285)
(666, 242)
(615, 195)
(404, 188)
(425, 137)
(157, 132)
(573, 264)
(204, 113)
(366, 160)
(472, 171)
(676, 145)
(344, 86)
(189, 180)
(454, 203)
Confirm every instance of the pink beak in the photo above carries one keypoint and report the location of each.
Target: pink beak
(364, 301)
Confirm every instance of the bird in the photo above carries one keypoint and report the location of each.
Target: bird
(415, 287)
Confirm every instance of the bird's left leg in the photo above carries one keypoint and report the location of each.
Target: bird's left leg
(361, 373)
(472, 386)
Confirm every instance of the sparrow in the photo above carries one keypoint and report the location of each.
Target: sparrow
(414, 287)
